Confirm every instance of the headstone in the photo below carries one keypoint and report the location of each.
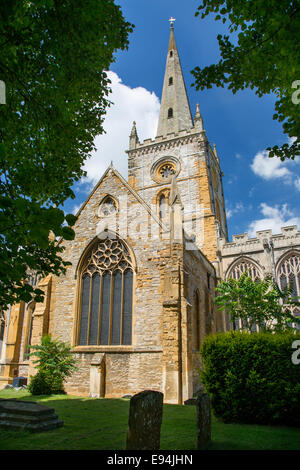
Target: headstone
(190, 401)
(145, 417)
(19, 382)
(203, 421)
(27, 416)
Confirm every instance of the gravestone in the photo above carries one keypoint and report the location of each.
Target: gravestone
(190, 401)
(203, 421)
(19, 382)
(27, 416)
(145, 417)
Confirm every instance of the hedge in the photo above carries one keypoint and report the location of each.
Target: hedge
(251, 377)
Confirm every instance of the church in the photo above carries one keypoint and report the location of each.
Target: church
(137, 301)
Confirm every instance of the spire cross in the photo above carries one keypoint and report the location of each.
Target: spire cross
(172, 21)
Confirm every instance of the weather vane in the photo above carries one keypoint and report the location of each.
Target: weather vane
(172, 21)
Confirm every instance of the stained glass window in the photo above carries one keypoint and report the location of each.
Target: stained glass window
(289, 275)
(106, 295)
(235, 273)
(243, 266)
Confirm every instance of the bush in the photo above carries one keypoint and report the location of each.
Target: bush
(43, 384)
(251, 377)
(54, 363)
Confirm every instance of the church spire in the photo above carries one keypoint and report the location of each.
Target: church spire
(175, 114)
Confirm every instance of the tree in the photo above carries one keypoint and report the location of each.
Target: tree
(259, 303)
(54, 54)
(266, 57)
(54, 364)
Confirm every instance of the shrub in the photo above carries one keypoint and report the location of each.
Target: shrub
(54, 363)
(251, 377)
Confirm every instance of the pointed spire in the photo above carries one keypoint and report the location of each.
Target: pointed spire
(175, 114)
(198, 121)
(133, 139)
(215, 152)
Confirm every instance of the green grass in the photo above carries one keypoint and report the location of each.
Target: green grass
(93, 424)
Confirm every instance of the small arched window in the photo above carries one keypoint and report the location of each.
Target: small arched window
(30, 312)
(2, 329)
(171, 53)
(106, 289)
(170, 112)
(171, 81)
(163, 207)
(196, 321)
(107, 207)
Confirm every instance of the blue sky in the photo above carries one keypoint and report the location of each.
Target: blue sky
(259, 192)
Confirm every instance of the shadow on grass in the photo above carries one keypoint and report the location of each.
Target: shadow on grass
(101, 424)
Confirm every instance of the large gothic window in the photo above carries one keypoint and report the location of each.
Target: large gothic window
(289, 275)
(244, 265)
(106, 295)
(235, 272)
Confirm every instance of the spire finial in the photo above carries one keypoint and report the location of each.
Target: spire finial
(172, 21)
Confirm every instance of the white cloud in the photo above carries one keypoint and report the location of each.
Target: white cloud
(238, 208)
(130, 104)
(274, 218)
(273, 168)
(269, 168)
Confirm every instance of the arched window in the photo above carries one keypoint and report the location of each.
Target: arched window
(235, 273)
(244, 265)
(171, 53)
(163, 207)
(288, 274)
(106, 295)
(170, 80)
(107, 207)
(170, 112)
(29, 324)
(196, 321)
(2, 329)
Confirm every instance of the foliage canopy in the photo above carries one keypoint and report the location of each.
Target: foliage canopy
(54, 363)
(54, 54)
(264, 55)
(259, 303)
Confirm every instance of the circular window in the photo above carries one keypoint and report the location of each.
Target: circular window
(163, 170)
(166, 170)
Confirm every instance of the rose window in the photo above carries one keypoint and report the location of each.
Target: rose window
(166, 170)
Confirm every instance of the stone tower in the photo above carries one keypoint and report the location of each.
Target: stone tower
(181, 148)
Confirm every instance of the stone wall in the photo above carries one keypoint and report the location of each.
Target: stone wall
(266, 255)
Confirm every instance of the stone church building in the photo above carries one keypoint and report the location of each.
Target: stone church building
(148, 252)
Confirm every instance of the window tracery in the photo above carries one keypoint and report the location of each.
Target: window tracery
(243, 266)
(106, 295)
(289, 275)
(108, 207)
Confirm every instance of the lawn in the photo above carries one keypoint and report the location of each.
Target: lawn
(101, 424)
